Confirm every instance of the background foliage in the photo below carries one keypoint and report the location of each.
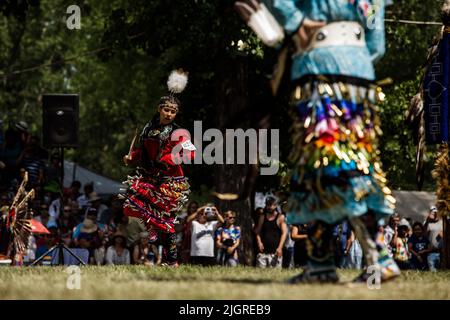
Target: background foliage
(119, 60)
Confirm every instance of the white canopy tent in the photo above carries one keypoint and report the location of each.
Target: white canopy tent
(102, 185)
(410, 204)
(414, 204)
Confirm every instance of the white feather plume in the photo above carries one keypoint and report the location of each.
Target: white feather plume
(177, 81)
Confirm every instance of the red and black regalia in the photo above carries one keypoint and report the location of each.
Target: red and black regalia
(159, 189)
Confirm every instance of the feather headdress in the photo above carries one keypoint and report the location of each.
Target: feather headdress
(177, 81)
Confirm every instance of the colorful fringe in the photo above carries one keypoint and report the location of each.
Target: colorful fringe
(156, 200)
(337, 172)
(440, 174)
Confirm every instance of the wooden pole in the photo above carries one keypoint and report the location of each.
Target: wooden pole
(446, 242)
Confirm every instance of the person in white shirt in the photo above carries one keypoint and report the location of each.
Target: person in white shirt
(54, 211)
(204, 224)
(433, 227)
(117, 253)
(83, 200)
(391, 233)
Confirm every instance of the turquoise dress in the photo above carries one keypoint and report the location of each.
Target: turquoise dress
(342, 60)
(336, 170)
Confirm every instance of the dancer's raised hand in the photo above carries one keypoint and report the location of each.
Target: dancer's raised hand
(307, 30)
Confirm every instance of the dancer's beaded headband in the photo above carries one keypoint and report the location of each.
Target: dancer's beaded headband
(176, 84)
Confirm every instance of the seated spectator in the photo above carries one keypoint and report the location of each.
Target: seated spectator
(95, 201)
(91, 213)
(43, 244)
(46, 242)
(145, 253)
(228, 238)
(117, 253)
(55, 209)
(131, 228)
(433, 226)
(116, 208)
(43, 217)
(401, 250)
(390, 232)
(88, 235)
(52, 170)
(204, 225)
(67, 222)
(30, 253)
(83, 200)
(67, 239)
(75, 190)
(32, 160)
(299, 235)
(420, 247)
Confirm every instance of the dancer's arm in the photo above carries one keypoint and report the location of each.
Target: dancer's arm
(133, 157)
(179, 149)
(295, 235)
(293, 21)
(286, 13)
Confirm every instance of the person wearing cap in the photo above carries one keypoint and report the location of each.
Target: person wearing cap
(95, 201)
(400, 249)
(22, 129)
(433, 227)
(159, 189)
(117, 253)
(271, 232)
(88, 234)
(144, 252)
(83, 200)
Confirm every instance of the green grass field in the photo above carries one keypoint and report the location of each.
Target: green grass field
(188, 282)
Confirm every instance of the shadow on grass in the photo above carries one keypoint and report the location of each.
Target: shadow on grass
(220, 279)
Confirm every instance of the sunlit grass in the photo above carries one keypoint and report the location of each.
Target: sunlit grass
(189, 282)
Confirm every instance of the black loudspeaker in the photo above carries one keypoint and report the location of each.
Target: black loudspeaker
(60, 120)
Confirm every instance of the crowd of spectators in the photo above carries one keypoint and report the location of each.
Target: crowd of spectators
(79, 220)
(413, 245)
(84, 220)
(416, 245)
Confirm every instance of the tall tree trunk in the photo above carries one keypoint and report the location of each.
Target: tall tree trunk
(232, 99)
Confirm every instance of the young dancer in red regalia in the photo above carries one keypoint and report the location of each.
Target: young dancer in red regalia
(159, 189)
